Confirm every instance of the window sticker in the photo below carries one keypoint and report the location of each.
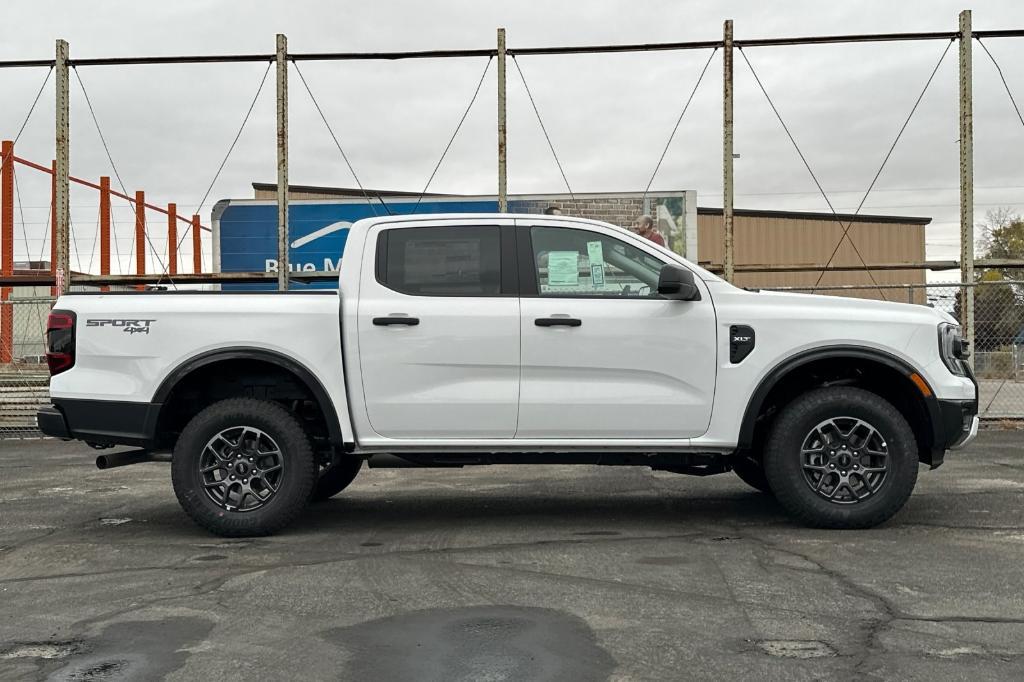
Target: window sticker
(563, 268)
(595, 252)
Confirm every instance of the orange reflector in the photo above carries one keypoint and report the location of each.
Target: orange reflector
(921, 384)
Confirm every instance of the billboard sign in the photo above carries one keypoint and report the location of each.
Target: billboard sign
(245, 231)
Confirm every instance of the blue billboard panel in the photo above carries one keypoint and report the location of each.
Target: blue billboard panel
(245, 231)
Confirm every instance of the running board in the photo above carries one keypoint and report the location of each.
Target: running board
(700, 464)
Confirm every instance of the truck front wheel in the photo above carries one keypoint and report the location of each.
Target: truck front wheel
(243, 467)
(841, 457)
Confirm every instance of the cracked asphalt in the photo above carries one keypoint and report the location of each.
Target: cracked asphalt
(509, 573)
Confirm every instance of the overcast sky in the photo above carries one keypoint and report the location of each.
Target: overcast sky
(609, 116)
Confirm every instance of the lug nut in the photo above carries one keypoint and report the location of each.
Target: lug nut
(232, 478)
(843, 473)
(250, 459)
(245, 480)
(830, 466)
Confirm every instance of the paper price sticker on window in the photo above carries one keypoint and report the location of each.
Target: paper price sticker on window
(563, 268)
(595, 251)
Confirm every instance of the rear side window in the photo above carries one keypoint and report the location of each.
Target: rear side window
(441, 261)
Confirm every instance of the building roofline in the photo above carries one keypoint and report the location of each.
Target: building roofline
(811, 215)
(344, 191)
(355, 193)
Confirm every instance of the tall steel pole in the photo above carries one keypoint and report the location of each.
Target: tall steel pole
(62, 270)
(727, 156)
(502, 150)
(966, 180)
(282, 162)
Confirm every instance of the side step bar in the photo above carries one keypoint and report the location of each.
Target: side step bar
(701, 464)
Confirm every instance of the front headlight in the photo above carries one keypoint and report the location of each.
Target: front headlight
(953, 349)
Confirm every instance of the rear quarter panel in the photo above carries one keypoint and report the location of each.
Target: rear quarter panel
(117, 365)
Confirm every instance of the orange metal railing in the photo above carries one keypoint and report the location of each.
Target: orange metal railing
(105, 195)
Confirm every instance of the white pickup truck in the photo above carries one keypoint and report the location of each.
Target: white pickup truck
(510, 339)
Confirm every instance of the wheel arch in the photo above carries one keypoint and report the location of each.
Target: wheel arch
(283, 362)
(922, 411)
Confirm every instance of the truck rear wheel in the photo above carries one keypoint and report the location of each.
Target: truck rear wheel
(336, 478)
(243, 467)
(841, 457)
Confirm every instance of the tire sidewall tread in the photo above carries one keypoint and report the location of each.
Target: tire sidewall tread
(300, 468)
(785, 475)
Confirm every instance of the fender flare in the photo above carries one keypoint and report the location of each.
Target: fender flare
(794, 362)
(303, 373)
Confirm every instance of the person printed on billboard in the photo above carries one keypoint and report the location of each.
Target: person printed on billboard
(644, 227)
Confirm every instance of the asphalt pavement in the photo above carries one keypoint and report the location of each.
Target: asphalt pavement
(509, 573)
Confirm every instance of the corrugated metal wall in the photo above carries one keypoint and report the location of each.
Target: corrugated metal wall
(779, 240)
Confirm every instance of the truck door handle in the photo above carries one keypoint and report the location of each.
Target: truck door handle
(396, 319)
(557, 322)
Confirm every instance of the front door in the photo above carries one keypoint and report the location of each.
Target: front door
(439, 331)
(604, 356)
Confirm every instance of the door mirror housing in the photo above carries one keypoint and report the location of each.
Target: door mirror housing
(676, 283)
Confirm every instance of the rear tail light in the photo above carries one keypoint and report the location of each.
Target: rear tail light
(60, 341)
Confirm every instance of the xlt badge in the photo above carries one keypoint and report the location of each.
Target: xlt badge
(741, 342)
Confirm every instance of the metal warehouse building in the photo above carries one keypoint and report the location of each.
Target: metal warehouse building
(790, 243)
(795, 239)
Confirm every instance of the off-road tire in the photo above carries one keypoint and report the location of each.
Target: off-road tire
(751, 472)
(336, 478)
(785, 472)
(297, 478)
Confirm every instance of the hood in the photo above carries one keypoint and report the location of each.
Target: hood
(853, 309)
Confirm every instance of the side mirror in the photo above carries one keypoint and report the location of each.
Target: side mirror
(676, 283)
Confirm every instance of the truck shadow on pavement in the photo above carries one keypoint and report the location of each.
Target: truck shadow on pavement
(558, 509)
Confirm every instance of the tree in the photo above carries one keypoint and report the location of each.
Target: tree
(998, 308)
(1002, 236)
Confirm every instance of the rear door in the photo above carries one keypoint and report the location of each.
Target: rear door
(438, 323)
(604, 356)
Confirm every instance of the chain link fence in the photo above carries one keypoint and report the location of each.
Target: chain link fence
(998, 333)
(23, 373)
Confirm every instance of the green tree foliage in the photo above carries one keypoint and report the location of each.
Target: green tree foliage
(999, 308)
(1003, 237)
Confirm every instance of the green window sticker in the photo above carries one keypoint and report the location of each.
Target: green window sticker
(563, 268)
(595, 251)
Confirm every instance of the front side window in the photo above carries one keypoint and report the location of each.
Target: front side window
(441, 261)
(572, 262)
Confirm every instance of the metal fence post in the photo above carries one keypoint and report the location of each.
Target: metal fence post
(62, 273)
(105, 227)
(140, 235)
(53, 224)
(197, 246)
(727, 157)
(172, 239)
(6, 250)
(966, 181)
(502, 128)
(282, 162)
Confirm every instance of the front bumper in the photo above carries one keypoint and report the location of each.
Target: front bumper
(969, 436)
